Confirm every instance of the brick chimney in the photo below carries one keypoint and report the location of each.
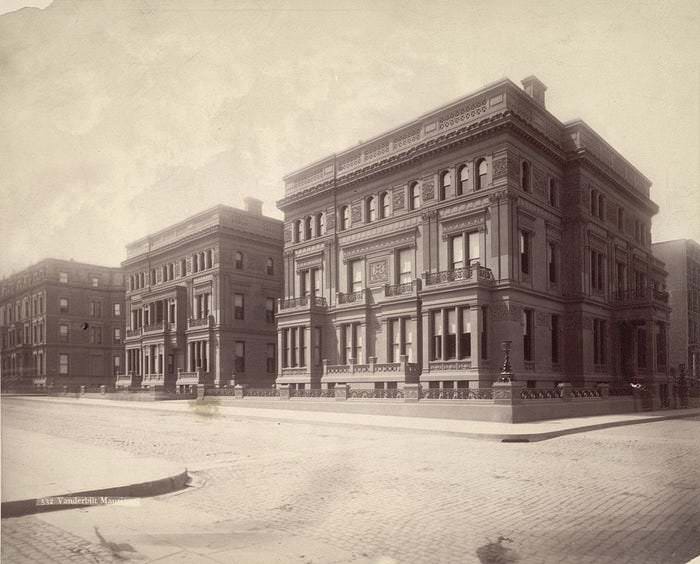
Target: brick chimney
(253, 205)
(534, 88)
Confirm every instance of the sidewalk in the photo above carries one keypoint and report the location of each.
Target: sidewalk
(36, 466)
(504, 432)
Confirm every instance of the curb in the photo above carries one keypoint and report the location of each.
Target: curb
(19, 508)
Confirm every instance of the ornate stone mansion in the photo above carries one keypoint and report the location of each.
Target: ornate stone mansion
(411, 257)
(200, 301)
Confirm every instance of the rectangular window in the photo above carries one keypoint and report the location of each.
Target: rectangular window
(316, 281)
(304, 283)
(63, 277)
(395, 333)
(555, 339)
(621, 284)
(95, 281)
(117, 335)
(63, 305)
(270, 310)
(116, 364)
(63, 333)
(285, 348)
(473, 247)
(553, 262)
(525, 252)
(238, 306)
(456, 252)
(317, 346)
(116, 310)
(437, 335)
(302, 346)
(527, 335)
(63, 364)
(95, 309)
(451, 335)
(356, 280)
(270, 360)
(239, 356)
(95, 335)
(465, 337)
(405, 266)
(408, 339)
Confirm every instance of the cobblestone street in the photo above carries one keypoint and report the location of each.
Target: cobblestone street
(336, 494)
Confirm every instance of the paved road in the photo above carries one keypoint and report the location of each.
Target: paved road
(339, 494)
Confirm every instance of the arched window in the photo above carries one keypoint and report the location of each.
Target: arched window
(385, 204)
(238, 260)
(445, 184)
(525, 176)
(414, 195)
(319, 228)
(270, 266)
(344, 218)
(371, 214)
(307, 228)
(482, 172)
(463, 174)
(297, 230)
(552, 195)
(594, 203)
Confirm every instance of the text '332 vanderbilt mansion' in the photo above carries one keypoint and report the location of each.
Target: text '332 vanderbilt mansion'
(411, 257)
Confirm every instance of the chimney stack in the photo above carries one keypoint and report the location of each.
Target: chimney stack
(534, 88)
(253, 205)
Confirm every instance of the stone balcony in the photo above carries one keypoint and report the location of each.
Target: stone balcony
(640, 297)
(155, 328)
(151, 380)
(302, 303)
(199, 322)
(402, 371)
(407, 289)
(191, 378)
(133, 333)
(473, 274)
(361, 297)
(123, 380)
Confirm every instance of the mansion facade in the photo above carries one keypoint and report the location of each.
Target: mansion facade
(410, 258)
(200, 300)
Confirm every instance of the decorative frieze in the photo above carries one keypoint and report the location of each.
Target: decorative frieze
(356, 212)
(378, 272)
(398, 198)
(500, 167)
(462, 114)
(470, 223)
(428, 188)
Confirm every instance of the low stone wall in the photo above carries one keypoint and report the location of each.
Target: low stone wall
(137, 395)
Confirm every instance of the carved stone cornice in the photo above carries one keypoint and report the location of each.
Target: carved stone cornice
(403, 240)
(464, 207)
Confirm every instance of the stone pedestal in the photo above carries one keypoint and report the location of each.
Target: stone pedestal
(564, 391)
(200, 391)
(507, 393)
(238, 391)
(411, 392)
(284, 391)
(342, 392)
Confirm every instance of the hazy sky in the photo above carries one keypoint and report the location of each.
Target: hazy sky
(119, 118)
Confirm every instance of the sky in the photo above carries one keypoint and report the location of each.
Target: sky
(119, 118)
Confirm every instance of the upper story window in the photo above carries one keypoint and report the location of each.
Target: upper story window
(405, 266)
(307, 228)
(385, 204)
(94, 281)
(63, 305)
(525, 176)
(356, 278)
(463, 178)
(553, 193)
(445, 184)
(456, 252)
(344, 217)
(209, 258)
(63, 277)
(601, 206)
(152, 278)
(414, 195)
(553, 262)
(620, 218)
(270, 266)
(525, 244)
(371, 211)
(320, 226)
(238, 260)
(270, 310)
(238, 306)
(116, 309)
(482, 169)
(297, 230)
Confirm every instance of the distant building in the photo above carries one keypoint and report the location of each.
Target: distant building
(62, 324)
(682, 258)
(201, 298)
(411, 257)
